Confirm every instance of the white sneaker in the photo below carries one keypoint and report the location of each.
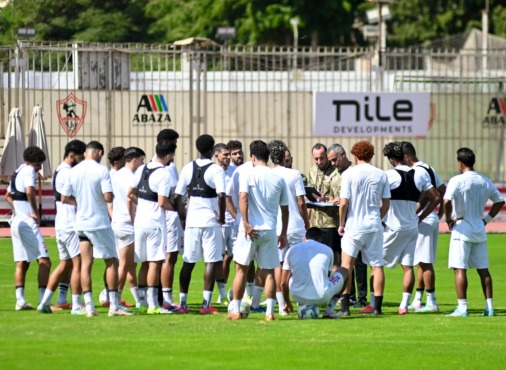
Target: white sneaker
(24, 307)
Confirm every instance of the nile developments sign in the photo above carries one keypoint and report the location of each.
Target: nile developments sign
(371, 114)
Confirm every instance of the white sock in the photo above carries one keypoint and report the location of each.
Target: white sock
(135, 294)
(88, 301)
(76, 302)
(167, 296)
(281, 301)
(143, 292)
(332, 304)
(182, 299)
(462, 304)
(270, 306)
(488, 304)
(113, 300)
(63, 290)
(235, 306)
(431, 298)
(222, 288)
(249, 289)
(418, 297)
(208, 295)
(405, 300)
(42, 290)
(46, 299)
(152, 297)
(257, 294)
(20, 295)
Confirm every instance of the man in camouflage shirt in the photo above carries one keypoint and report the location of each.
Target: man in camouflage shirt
(327, 180)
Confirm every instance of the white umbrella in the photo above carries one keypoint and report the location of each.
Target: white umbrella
(14, 145)
(37, 137)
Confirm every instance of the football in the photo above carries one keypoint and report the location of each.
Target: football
(102, 297)
(308, 312)
(245, 308)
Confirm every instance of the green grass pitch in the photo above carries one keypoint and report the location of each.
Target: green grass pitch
(29, 340)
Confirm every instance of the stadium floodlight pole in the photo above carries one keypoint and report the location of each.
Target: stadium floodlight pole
(295, 22)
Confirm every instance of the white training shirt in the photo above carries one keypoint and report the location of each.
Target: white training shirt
(172, 216)
(233, 187)
(149, 215)
(65, 213)
(433, 217)
(229, 220)
(469, 193)
(88, 181)
(402, 213)
(121, 181)
(202, 212)
(309, 263)
(25, 178)
(295, 188)
(266, 192)
(364, 186)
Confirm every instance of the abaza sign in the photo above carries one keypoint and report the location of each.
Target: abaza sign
(371, 114)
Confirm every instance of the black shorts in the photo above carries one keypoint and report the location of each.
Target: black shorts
(332, 239)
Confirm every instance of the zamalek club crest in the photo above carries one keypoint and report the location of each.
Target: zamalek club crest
(71, 113)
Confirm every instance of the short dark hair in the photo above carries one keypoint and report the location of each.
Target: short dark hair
(167, 134)
(204, 144)
(95, 145)
(394, 150)
(165, 147)
(219, 147)
(314, 233)
(115, 154)
(34, 154)
(408, 148)
(318, 146)
(466, 156)
(133, 152)
(260, 150)
(277, 150)
(75, 146)
(234, 145)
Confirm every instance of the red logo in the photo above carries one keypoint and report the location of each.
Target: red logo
(71, 112)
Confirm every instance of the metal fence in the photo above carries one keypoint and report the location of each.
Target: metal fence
(124, 94)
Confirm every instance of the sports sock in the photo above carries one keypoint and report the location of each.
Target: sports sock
(20, 295)
(249, 289)
(462, 304)
(270, 306)
(345, 303)
(182, 300)
(281, 302)
(88, 301)
(113, 300)
(142, 289)
(418, 296)
(405, 300)
(332, 304)
(235, 306)
(63, 290)
(373, 300)
(222, 288)
(76, 302)
(135, 294)
(167, 296)
(208, 295)
(257, 294)
(152, 296)
(107, 295)
(42, 290)
(378, 301)
(431, 297)
(489, 304)
(46, 299)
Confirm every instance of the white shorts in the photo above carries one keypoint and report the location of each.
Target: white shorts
(150, 245)
(175, 233)
(291, 240)
(203, 242)
(466, 255)
(67, 242)
(104, 245)
(334, 285)
(124, 234)
(229, 237)
(264, 249)
(426, 243)
(399, 247)
(370, 244)
(27, 241)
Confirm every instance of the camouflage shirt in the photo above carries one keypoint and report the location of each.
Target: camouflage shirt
(328, 183)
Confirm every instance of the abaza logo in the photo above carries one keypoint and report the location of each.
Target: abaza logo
(71, 112)
(496, 113)
(152, 109)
